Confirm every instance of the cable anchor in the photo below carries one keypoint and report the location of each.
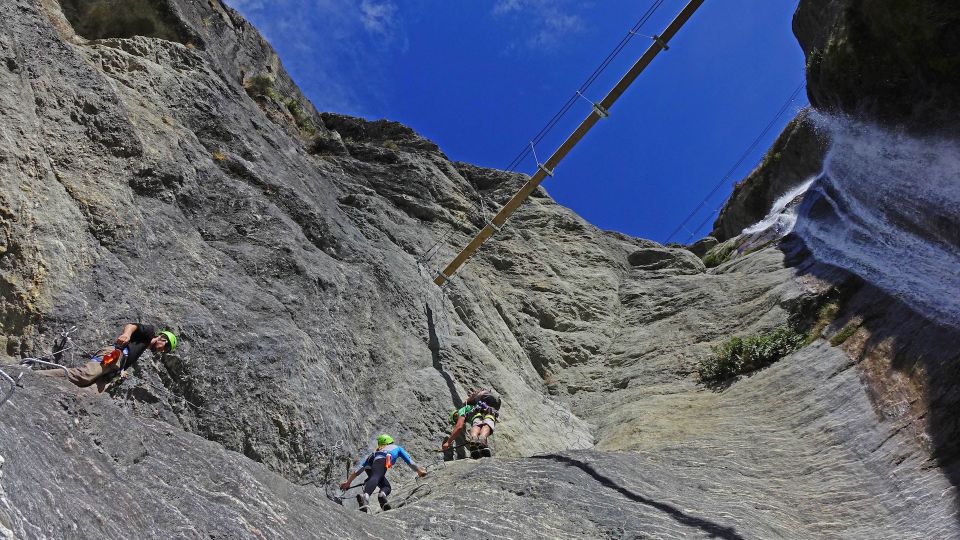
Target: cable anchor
(656, 39)
(540, 166)
(446, 278)
(659, 41)
(601, 111)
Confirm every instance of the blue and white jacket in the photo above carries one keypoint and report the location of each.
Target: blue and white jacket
(391, 453)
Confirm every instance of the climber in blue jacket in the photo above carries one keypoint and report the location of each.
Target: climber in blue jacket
(376, 465)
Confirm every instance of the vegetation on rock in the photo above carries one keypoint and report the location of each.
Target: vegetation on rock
(720, 254)
(825, 316)
(742, 355)
(301, 117)
(843, 335)
(262, 87)
(123, 19)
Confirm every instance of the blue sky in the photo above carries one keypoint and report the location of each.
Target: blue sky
(481, 77)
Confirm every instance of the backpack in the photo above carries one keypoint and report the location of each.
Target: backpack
(485, 396)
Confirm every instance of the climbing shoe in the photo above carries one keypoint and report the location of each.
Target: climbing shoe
(485, 452)
(384, 505)
(364, 501)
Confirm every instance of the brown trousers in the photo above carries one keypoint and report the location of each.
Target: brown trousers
(88, 373)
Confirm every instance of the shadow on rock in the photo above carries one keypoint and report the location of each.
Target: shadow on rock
(909, 363)
(715, 530)
(437, 364)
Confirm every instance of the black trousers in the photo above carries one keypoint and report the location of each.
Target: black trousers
(377, 478)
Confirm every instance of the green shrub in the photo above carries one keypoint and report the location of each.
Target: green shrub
(719, 254)
(743, 355)
(100, 19)
(826, 316)
(300, 117)
(390, 144)
(261, 86)
(843, 334)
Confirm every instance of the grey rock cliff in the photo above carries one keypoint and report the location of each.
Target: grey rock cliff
(186, 181)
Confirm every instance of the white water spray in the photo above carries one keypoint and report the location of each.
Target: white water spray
(783, 215)
(887, 208)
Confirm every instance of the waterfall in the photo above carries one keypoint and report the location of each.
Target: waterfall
(887, 208)
(783, 214)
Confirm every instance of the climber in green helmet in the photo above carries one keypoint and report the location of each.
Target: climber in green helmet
(376, 465)
(481, 412)
(133, 341)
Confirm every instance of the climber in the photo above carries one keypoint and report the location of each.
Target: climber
(124, 353)
(458, 420)
(482, 410)
(376, 466)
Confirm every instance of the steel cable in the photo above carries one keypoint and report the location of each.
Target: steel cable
(743, 157)
(545, 130)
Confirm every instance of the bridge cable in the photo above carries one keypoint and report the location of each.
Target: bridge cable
(743, 157)
(600, 110)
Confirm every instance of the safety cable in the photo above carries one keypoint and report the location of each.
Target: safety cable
(545, 130)
(736, 166)
(433, 249)
(13, 385)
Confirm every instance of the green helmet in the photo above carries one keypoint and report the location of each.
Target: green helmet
(171, 340)
(384, 440)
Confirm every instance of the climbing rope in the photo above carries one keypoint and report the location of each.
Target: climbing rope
(65, 343)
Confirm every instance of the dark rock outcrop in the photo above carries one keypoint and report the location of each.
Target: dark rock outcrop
(702, 246)
(890, 61)
(796, 156)
(885, 61)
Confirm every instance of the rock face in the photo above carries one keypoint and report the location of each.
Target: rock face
(891, 61)
(180, 178)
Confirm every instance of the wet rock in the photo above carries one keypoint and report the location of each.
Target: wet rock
(795, 157)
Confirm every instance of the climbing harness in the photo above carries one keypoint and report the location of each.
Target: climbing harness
(546, 169)
(483, 410)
